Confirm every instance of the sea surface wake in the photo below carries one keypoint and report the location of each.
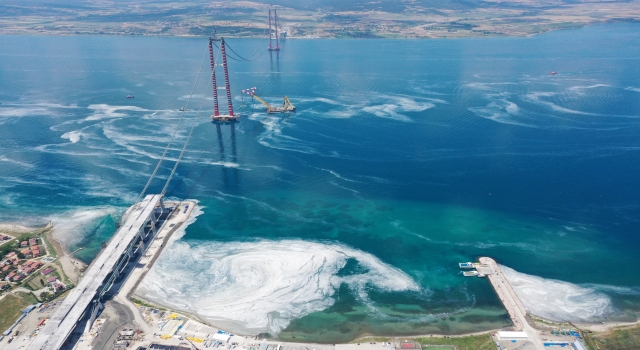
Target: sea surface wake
(253, 287)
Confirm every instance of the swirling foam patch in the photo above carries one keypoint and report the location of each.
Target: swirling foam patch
(252, 287)
(72, 226)
(558, 300)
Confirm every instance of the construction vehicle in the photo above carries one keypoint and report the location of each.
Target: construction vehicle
(287, 106)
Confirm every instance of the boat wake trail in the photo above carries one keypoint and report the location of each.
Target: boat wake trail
(252, 287)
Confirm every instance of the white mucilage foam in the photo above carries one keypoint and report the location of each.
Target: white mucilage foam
(73, 136)
(252, 287)
(71, 227)
(558, 300)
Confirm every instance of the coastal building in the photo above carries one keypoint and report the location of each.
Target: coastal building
(10, 276)
(57, 286)
(578, 346)
(24, 244)
(52, 279)
(47, 271)
(507, 335)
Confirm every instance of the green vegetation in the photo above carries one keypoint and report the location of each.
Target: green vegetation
(35, 281)
(472, 342)
(620, 339)
(371, 339)
(59, 272)
(8, 247)
(12, 305)
(39, 233)
(45, 240)
(46, 296)
(32, 283)
(145, 304)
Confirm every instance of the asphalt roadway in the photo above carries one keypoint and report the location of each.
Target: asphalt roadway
(119, 315)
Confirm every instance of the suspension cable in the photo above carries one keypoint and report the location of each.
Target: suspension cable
(195, 120)
(246, 59)
(174, 132)
(240, 58)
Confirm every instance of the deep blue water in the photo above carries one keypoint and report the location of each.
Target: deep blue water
(407, 156)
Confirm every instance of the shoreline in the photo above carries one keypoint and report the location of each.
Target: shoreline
(381, 36)
(527, 321)
(73, 270)
(71, 266)
(166, 240)
(165, 244)
(14, 228)
(275, 338)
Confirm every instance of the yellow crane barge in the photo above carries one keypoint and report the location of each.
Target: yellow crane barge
(287, 106)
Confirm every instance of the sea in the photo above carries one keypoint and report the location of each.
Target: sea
(348, 217)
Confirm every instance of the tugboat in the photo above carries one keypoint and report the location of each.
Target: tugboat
(130, 96)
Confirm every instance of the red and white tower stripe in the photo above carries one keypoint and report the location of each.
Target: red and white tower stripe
(216, 110)
(226, 77)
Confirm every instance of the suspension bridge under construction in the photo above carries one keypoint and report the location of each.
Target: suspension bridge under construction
(140, 224)
(138, 228)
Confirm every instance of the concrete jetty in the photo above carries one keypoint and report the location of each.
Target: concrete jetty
(509, 299)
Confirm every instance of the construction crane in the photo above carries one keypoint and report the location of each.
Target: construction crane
(287, 106)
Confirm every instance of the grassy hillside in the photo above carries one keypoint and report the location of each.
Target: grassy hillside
(620, 339)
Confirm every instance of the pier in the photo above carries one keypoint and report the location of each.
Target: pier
(509, 299)
(142, 221)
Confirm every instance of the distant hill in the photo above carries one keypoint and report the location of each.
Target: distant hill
(310, 18)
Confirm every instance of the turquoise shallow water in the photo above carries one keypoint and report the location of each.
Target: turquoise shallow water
(349, 217)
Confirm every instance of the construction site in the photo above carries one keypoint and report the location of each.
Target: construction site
(221, 46)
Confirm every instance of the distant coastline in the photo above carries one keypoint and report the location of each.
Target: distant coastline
(344, 36)
(249, 19)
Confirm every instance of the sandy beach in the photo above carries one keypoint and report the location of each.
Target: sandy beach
(72, 267)
(15, 228)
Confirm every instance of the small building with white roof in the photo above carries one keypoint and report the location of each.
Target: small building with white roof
(509, 335)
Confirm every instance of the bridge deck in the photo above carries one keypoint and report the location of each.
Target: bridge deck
(62, 323)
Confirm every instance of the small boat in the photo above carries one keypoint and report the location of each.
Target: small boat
(130, 96)
(182, 109)
(554, 72)
(467, 265)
